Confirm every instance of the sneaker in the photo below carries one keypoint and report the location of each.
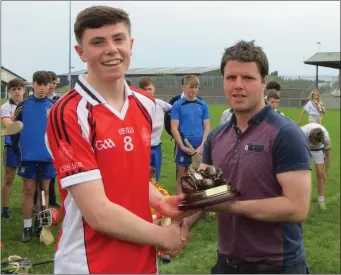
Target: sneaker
(322, 206)
(6, 216)
(27, 235)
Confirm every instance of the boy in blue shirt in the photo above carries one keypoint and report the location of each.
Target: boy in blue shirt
(190, 117)
(33, 112)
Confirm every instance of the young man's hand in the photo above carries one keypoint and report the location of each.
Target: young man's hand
(184, 230)
(186, 150)
(169, 206)
(172, 242)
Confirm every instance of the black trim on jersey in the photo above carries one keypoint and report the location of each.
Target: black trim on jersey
(144, 111)
(85, 89)
(188, 102)
(62, 121)
(11, 101)
(92, 124)
(55, 107)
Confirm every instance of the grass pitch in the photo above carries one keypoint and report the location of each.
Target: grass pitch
(321, 230)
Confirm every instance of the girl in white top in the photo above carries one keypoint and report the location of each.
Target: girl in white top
(314, 108)
(162, 107)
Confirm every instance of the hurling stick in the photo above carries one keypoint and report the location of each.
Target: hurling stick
(45, 234)
(12, 129)
(196, 158)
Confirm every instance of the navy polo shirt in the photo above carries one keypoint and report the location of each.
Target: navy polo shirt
(272, 144)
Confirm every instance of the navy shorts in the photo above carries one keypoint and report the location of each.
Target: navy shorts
(29, 170)
(183, 159)
(11, 158)
(156, 159)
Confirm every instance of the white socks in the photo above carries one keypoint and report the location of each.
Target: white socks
(321, 198)
(27, 223)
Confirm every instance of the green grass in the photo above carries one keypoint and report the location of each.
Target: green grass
(321, 230)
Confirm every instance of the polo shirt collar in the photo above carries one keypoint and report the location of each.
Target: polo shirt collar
(256, 119)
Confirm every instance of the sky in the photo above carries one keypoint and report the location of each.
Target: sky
(35, 35)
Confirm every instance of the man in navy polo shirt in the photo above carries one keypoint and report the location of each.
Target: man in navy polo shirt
(266, 157)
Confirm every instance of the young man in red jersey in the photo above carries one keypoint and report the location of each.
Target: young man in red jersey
(99, 136)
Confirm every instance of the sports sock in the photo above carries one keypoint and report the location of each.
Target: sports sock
(321, 198)
(27, 223)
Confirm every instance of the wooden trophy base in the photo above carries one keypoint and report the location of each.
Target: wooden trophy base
(206, 198)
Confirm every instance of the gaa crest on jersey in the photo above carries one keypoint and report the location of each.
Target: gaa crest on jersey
(66, 150)
(146, 137)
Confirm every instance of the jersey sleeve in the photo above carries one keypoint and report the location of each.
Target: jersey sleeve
(206, 114)
(165, 106)
(175, 114)
(5, 112)
(68, 141)
(291, 156)
(307, 107)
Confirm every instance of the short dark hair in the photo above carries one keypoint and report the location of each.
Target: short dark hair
(53, 75)
(97, 17)
(152, 173)
(273, 93)
(42, 77)
(273, 85)
(246, 52)
(316, 136)
(15, 82)
(145, 81)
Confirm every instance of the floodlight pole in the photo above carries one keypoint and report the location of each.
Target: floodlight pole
(69, 76)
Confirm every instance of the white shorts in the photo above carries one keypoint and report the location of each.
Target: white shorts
(314, 119)
(317, 156)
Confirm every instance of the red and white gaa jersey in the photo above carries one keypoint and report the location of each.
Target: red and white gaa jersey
(90, 140)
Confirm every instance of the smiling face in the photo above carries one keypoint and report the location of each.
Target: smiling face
(244, 86)
(107, 51)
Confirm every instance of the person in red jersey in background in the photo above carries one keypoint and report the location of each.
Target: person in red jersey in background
(99, 136)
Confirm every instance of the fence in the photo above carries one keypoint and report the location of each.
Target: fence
(294, 90)
(221, 100)
(216, 82)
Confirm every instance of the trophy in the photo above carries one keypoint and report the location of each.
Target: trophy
(205, 188)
